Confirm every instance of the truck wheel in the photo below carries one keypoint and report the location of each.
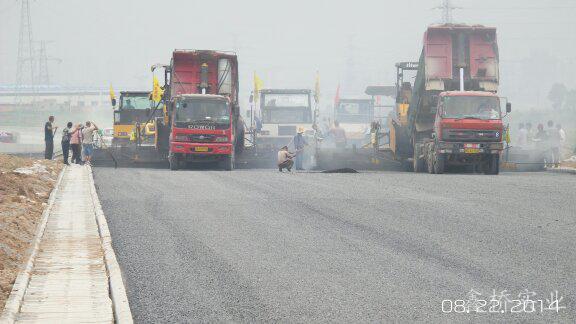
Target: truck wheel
(439, 163)
(229, 162)
(493, 165)
(174, 162)
(418, 162)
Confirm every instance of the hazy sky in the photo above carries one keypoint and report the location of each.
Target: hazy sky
(355, 43)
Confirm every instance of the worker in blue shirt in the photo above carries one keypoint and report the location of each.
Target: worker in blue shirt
(299, 143)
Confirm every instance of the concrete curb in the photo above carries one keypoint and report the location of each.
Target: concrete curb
(562, 170)
(120, 305)
(16, 297)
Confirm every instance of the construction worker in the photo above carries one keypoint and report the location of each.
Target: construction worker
(49, 131)
(128, 104)
(88, 141)
(285, 159)
(339, 135)
(299, 143)
(522, 139)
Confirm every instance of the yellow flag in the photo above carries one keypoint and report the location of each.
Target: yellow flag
(157, 91)
(317, 88)
(112, 94)
(258, 84)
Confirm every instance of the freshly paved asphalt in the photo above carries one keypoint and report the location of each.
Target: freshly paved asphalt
(260, 246)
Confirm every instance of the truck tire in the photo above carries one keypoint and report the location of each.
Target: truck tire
(418, 162)
(493, 165)
(174, 162)
(229, 161)
(439, 163)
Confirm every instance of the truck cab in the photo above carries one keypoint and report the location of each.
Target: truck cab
(468, 130)
(283, 112)
(134, 108)
(201, 129)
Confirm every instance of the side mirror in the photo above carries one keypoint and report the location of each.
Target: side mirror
(113, 102)
(508, 107)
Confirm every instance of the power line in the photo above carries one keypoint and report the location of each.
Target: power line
(43, 59)
(447, 9)
(26, 63)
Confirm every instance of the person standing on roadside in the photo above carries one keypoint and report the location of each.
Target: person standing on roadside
(299, 144)
(75, 142)
(529, 133)
(522, 139)
(49, 131)
(66, 135)
(553, 144)
(88, 141)
(559, 140)
(562, 134)
(541, 135)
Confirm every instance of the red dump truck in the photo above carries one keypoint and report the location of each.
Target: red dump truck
(202, 122)
(451, 115)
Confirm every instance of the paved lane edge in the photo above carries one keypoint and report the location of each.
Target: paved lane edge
(120, 304)
(14, 301)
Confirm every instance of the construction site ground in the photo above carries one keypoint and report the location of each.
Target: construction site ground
(25, 185)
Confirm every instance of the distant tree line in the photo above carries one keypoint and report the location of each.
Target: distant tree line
(562, 97)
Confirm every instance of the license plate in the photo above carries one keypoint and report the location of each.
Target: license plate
(201, 149)
(471, 150)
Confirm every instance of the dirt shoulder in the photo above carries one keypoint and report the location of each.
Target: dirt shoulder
(25, 185)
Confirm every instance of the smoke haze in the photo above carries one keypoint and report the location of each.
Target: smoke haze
(355, 43)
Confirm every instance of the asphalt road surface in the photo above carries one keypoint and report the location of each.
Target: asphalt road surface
(260, 246)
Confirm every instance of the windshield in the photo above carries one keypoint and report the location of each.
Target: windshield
(286, 115)
(135, 103)
(353, 112)
(477, 107)
(195, 110)
(286, 100)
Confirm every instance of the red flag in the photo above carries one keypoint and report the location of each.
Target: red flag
(337, 97)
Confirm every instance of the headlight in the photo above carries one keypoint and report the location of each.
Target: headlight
(222, 139)
(181, 138)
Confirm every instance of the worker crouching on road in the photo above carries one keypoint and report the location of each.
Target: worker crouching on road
(299, 144)
(285, 159)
